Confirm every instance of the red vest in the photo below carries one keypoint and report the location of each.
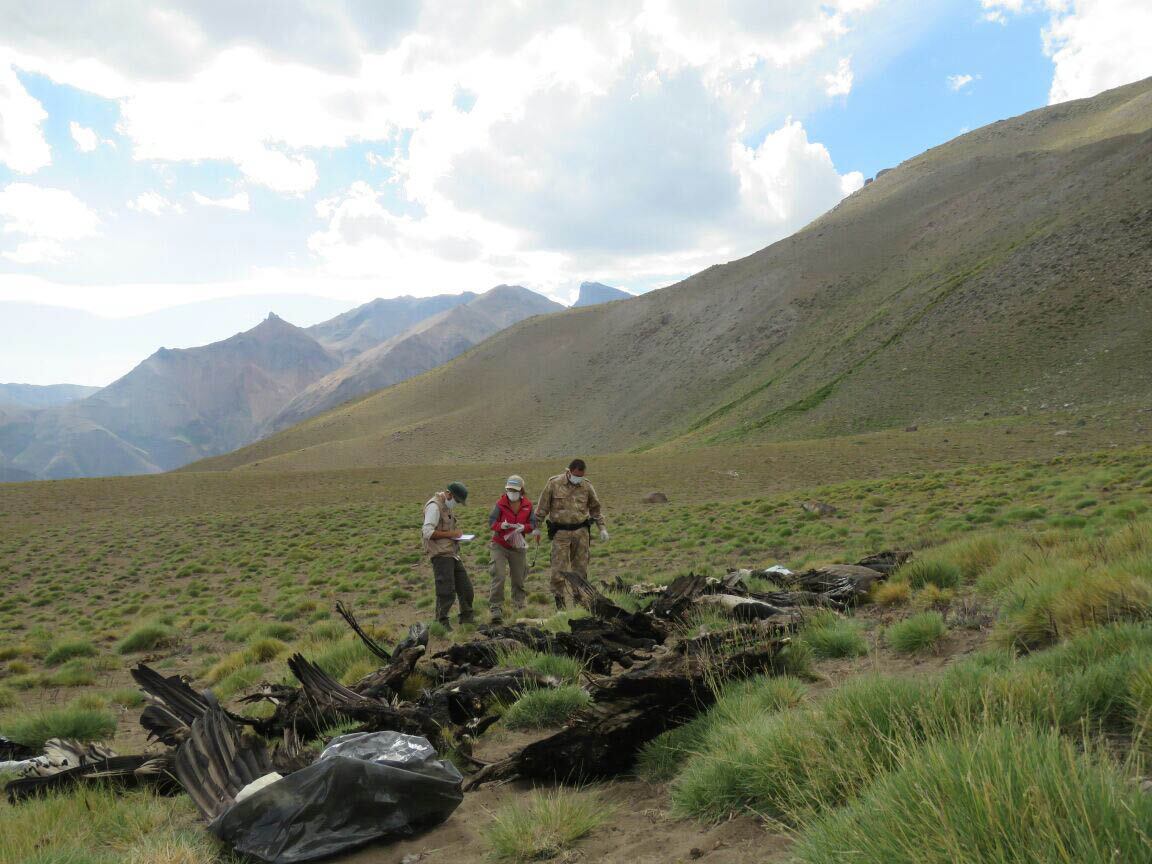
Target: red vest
(523, 516)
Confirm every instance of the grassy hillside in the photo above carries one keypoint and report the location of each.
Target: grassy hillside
(220, 575)
(1004, 273)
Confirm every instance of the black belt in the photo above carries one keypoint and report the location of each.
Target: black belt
(554, 527)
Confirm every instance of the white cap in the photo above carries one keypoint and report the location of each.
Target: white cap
(515, 482)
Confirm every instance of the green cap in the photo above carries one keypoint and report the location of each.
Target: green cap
(459, 491)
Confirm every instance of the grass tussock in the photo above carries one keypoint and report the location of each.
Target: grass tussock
(801, 763)
(918, 634)
(892, 593)
(740, 704)
(82, 722)
(105, 827)
(544, 825)
(1069, 598)
(923, 571)
(148, 637)
(834, 639)
(69, 650)
(566, 669)
(537, 709)
(1010, 794)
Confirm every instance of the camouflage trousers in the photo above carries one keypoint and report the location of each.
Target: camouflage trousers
(569, 554)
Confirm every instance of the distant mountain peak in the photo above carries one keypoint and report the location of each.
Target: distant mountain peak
(595, 293)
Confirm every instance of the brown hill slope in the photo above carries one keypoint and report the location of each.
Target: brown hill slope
(353, 332)
(1007, 271)
(424, 346)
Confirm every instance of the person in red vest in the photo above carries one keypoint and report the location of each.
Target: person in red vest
(512, 521)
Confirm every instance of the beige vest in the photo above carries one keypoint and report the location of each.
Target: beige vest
(443, 545)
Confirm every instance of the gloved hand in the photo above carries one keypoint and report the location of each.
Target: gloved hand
(604, 534)
(505, 526)
(518, 528)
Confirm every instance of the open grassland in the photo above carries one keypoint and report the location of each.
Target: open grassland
(1043, 565)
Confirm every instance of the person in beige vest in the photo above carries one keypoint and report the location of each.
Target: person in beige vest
(571, 508)
(442, 543)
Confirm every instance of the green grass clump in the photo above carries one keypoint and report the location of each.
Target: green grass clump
(265, 649)
(543, 826)
(892, 593)
(127, 697)
(536, 709)
(104, 826)
(929, 571)
(839, 638)
(740, 704)
(799, 763)
(80, 722)
(74, 673)
(242, 679)
(148, 638)
(565, 669)
(224, 667)
(69, 650)
(1069, 598)
(1009, 795)
(336, 658)
(917, 634)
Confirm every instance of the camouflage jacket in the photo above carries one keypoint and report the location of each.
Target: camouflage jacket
(568, 504)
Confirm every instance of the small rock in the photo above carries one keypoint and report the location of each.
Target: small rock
(912, 428)
(1062, 432)
(412, 858)
(655, 498)
(695, 853)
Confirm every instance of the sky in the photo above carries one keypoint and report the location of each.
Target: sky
(155, 153)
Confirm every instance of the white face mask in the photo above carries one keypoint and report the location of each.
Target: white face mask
(513, 496)
(574, 480)
(449, 503)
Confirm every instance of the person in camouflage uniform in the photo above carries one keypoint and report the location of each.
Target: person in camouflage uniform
(571, 508)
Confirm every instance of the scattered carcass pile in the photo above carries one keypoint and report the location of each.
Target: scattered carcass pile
(270, 788)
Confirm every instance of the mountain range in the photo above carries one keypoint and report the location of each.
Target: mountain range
(1004, 273)
(41, 396)
(94, 350)
(180, 405)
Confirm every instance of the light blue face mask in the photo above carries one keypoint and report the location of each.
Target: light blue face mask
(449, 503)
(574, 480)
(513, 496)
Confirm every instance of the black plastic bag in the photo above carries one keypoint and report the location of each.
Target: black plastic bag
(364, 787)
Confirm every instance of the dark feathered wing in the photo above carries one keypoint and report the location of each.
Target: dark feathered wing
(216, 762)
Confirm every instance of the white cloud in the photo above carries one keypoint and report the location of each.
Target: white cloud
(997, 11)
(154, 203)
(86, 139)
(598, 136)
(1094, 44)
(1098, 44)
(23, 147)
(956, 83)
(839, 83)
(43, 220)
(788, 180)
(239, 201)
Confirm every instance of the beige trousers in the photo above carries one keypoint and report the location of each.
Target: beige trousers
(505, 561)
